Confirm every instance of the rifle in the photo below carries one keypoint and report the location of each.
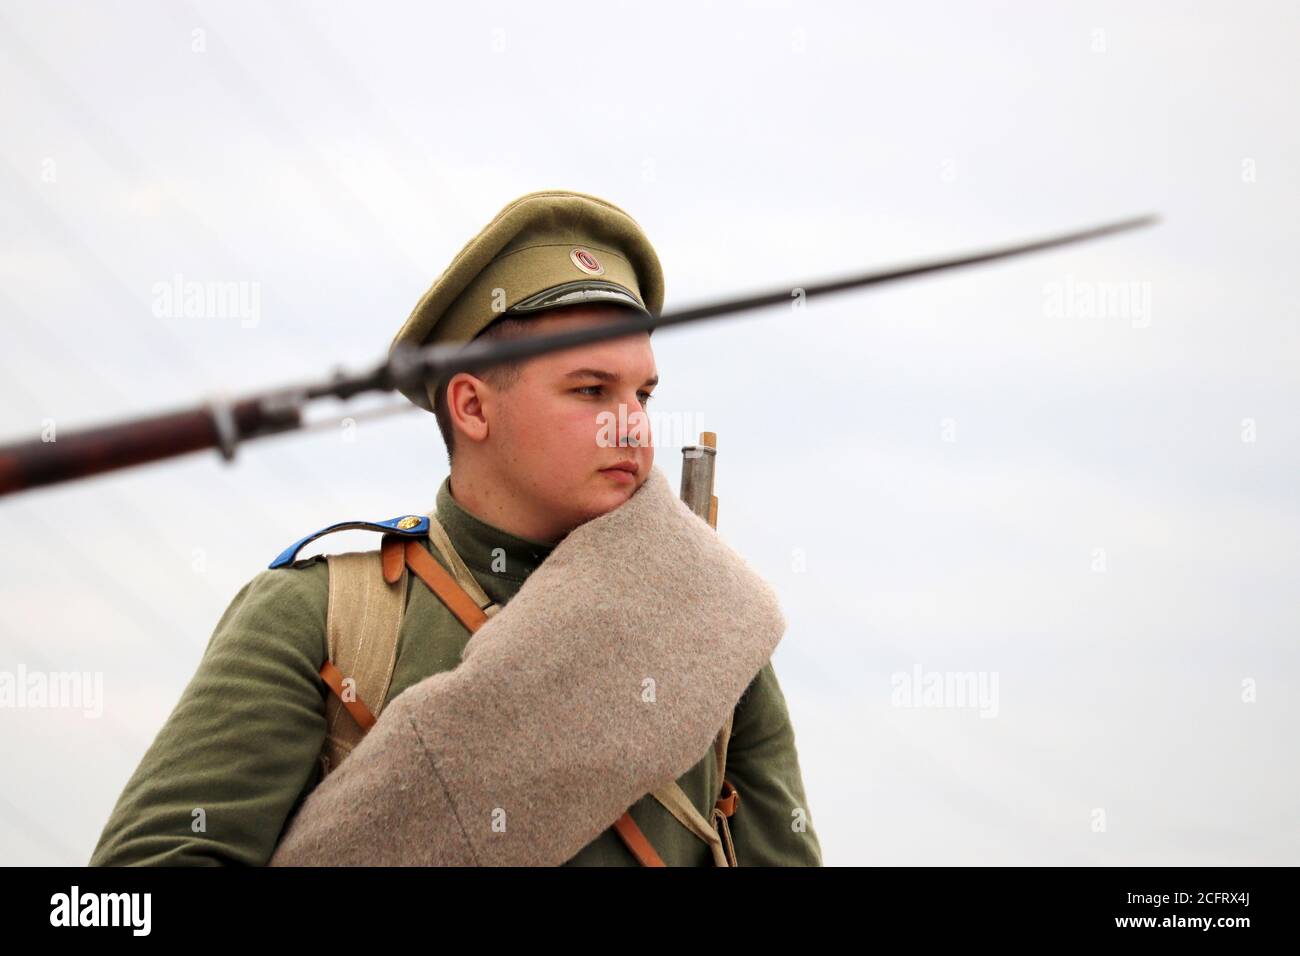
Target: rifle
(223, 424)
(698, 466)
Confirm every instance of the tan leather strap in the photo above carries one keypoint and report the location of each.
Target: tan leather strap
(636, 841)
(393, 556)
(444, 586)
(356, 706)
(727, 803)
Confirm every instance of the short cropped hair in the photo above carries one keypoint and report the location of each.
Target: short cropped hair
(501, 376)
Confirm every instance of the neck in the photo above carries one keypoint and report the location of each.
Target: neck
(499, 561)
(491, 500)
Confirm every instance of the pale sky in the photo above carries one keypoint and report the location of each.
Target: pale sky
(1093, 509)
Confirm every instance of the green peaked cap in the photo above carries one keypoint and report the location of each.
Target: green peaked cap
(544, 250)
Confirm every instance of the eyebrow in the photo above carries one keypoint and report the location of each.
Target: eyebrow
(605, 376)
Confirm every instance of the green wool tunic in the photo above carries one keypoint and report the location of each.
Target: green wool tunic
(238, 754)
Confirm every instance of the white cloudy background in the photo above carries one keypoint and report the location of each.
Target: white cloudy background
(945, 475)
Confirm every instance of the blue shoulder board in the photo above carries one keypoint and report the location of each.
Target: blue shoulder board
(410, 525)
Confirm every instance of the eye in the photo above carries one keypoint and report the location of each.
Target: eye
(595, 390)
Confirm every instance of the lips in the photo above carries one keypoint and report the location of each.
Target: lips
(627, 465)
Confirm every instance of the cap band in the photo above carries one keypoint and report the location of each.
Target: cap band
(577, 292)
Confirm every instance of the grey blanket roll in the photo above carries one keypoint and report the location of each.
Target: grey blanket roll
(605, 677)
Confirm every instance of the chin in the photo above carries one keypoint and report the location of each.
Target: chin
(609, 497)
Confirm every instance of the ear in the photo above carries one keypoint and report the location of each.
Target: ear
(466, 396)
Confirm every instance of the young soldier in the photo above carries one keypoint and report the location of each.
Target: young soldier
(527, 469)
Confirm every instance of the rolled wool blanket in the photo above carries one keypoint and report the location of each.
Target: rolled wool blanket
(605, 677)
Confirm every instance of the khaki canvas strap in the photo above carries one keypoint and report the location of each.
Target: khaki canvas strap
(714, 831)
(675, 801)
(438, 536)
(362, 627)
(720, 747)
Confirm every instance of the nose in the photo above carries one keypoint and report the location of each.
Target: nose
(634, 427)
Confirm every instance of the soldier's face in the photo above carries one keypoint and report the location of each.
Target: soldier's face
(571, 434)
